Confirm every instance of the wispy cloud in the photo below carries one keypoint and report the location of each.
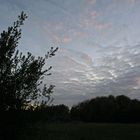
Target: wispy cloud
(132, 1)
(92, 21)
(91, 1)
(100, 26)
(79, 25)
(117, 72)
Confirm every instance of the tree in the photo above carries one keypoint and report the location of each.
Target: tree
(107, 109)
(20, 75)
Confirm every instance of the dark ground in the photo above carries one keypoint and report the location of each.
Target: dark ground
(76, 131)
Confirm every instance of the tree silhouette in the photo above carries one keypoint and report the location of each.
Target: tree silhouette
(20, 75)
(107, 109)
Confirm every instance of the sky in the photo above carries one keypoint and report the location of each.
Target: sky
(98, 40)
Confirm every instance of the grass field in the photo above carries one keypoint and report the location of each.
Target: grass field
(80, 131)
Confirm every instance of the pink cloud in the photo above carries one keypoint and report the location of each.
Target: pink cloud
(60, 39)
(94, 14)
(100, 26)
(57, 32)
(66, 39)
(89, 19)
(80, 34)
(60, 33)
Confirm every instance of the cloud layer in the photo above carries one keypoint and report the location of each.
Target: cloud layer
(77, 78)
(97, 38)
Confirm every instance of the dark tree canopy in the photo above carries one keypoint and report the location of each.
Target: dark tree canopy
(20, 75)
(107, 109)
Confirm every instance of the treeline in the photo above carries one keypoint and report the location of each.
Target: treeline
(33, 114)
(107, 109)
(100, 109)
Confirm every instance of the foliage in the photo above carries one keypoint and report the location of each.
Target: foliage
(20, 75)
(107, 109)
(111, 109)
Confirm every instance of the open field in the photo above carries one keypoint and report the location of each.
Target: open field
(80, 131)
